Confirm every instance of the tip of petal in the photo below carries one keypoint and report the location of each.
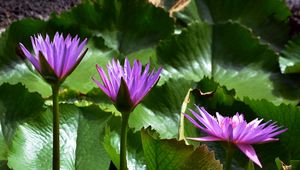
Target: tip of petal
(249, 151)
(159, 70)
(84, 41)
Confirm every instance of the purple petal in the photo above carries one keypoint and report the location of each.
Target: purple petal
(106, 83)
(32, 59)
(138, 81)
(249, 151)
(206, 139)
(69, 61)
(61, 54)
(193, 121)
(278, 132)
(73, 55)
(104, 89)
(81, 46)
(268, 140)
(219, 117)
(210, 122)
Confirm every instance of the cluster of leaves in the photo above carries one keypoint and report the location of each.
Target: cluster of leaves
(236, 55)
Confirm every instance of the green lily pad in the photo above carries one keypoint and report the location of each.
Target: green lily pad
(82, 130)
(230, 55)
(14, 108)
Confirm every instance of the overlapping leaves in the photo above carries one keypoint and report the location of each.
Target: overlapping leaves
(85, 140)
(231, 55)
(269, 20)
(114, 29)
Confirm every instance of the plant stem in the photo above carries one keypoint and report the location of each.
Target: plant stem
(56, 147)
(229, 154)
(181, 123)
(123, 161)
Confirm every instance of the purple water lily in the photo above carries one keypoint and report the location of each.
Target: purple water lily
(128, 83)
(235, 130)
(55, 59)
(126, 87)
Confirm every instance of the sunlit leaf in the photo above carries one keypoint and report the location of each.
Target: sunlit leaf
(81, 132)
(230, 55)
(16, 106)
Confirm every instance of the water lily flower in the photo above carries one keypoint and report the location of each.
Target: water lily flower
(127, 86)
(235, 130)
(55, 59)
